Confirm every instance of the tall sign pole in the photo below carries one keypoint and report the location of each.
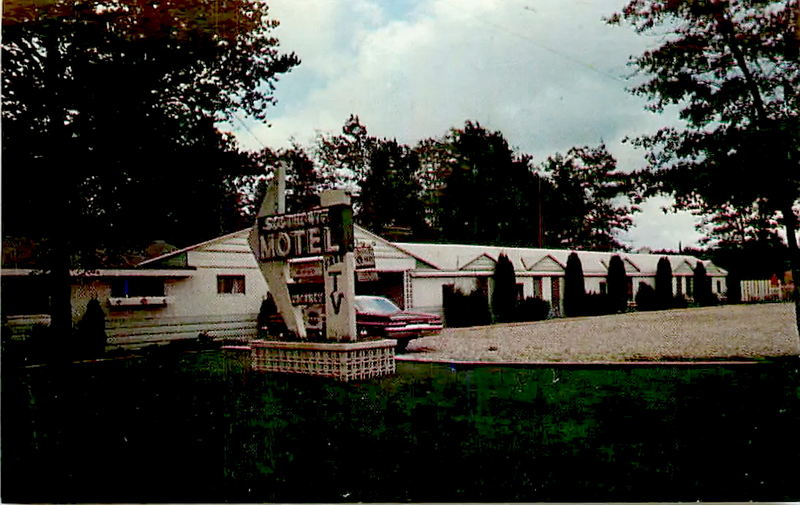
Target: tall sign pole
(338, 271)
(276, 271)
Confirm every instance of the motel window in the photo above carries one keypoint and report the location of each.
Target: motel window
(135, 287)
(520, 292)
(230, 284)
(679, 286)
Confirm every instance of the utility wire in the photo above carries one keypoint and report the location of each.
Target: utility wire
(544, 47)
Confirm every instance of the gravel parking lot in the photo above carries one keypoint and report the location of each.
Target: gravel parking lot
(727, 332)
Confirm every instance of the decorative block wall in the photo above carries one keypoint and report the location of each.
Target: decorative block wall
(341, 361)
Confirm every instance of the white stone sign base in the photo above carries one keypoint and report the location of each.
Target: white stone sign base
(342, 361)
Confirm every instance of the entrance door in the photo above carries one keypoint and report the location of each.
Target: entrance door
(555, 297)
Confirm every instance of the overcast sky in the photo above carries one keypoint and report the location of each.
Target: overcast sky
(548, 74)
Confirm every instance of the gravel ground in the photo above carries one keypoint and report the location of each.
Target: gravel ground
(732, 331)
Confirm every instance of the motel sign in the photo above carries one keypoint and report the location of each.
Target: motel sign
(318, 232)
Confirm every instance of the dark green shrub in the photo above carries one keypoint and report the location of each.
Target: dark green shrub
(597, 304)
(645, 297)
(663, 283)
(532, 309)
(734, 291)
(504, 294)
(270, 322)
(617, 282)
(680, 302)
(702, 287)
(574, 288)
(91, 331)
(462, 309)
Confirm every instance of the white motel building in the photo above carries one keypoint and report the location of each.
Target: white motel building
(216, 287)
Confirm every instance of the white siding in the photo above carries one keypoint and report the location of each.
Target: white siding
(428, 293)
(592, 284)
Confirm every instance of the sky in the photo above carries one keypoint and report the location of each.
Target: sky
(548, 74)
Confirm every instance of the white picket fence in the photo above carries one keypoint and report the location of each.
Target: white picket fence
(762, 290)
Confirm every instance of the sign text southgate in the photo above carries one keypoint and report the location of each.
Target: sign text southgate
(305, 234)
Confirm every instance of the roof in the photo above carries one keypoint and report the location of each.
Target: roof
(383, 248)
(459, 257)
(454, 257)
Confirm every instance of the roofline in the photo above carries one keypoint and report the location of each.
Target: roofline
(222, 237)
(105, 272)
(189, 248)
(548, 255)
(396, 246)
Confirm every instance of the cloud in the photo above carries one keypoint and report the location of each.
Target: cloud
(548, 74)
(659, 230)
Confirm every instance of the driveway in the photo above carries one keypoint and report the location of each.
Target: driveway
(713, 333)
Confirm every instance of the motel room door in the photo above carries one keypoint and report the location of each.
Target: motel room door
(555, 295)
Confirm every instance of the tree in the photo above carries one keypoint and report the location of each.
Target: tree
(581, 211)
(504, 293)
(574, 287)
(380, 174)
(109, 114)
(344, 158)
(663, 283)
(733, 69)
(702, 285)
(390, 191)
(617, 284)
(728, 227)
(303, 180)
(483, 191)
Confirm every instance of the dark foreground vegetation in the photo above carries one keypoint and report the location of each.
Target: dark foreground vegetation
(193, 426)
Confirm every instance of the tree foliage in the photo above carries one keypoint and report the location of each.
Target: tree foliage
(574, 287)
(382, 176)
(303, 180)
(109, 111)
(664, 283)
(702, 285)
(390, 192)
(732, 68)
(504, 293)
(582, 209)
(728, 227)
(617, 284)
(481, 190)
(109, 114)
(344, 157)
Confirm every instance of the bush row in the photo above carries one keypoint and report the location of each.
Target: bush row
(472, 309)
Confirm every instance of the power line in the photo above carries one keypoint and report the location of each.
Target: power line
(248, 130)
(549, 49)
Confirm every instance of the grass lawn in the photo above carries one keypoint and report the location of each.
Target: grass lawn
(196, 427)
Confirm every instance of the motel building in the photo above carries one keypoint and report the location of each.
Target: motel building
(216, 287)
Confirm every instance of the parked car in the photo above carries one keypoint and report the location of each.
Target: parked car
(380, 317)
(376, 316)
